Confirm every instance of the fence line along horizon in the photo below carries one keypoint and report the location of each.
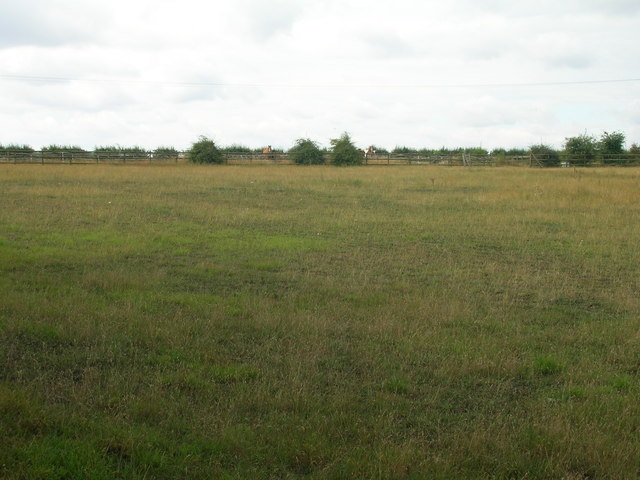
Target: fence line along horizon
(462, 157)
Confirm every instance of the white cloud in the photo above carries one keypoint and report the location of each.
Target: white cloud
(268, 19)
(50, 23)
(267, 72)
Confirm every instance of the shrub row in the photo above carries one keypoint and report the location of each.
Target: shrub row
(585, 148)
(304, 152)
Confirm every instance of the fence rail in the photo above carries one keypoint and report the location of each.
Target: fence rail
(244, 158)
(77, 157)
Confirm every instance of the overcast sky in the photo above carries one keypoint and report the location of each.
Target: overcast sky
(416, 73)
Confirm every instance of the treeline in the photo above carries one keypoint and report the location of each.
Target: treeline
(585, 145)
(581, 149)
(135, 150)
(113, 149)
(304, 152)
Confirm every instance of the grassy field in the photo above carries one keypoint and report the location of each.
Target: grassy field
(327, 323)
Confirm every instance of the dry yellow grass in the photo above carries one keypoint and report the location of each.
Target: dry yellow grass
(181, 321)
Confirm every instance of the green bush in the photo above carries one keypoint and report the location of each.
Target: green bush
(403, 150)
(344, 152)
(16, 148)
(165, 152)
(479, 151)
(63, 149)
(118, 149)
(205, 151)
(236, 148)
(612, 143)
(583, 148)
(306, 152)
(511, 152)
(546, 155)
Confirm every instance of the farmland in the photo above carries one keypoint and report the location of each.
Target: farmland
(180, 321)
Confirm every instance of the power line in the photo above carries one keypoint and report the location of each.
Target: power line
(47, 78)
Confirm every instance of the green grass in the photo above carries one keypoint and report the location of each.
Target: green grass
(317, 322)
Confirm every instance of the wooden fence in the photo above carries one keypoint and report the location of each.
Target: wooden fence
(76, 157)
(279, 158)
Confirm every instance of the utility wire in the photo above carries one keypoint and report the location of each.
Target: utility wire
(43, 78)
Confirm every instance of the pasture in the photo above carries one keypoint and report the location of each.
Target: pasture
(180, 321)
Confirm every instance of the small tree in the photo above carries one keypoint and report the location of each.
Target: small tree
(612, 143)
(344, 152)
(306, 152)
(205, 151)
(634, 154)
(584, 146)
(546, 155)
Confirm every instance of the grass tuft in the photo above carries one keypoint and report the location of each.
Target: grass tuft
(546, 366)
